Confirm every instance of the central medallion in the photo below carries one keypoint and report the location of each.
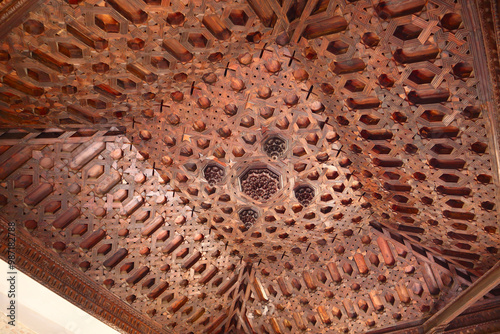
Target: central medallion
(260, 184)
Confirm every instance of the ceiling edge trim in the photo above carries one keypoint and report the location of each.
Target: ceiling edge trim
(483, 317)
(13, 14)
(42, 265)
(487, 13)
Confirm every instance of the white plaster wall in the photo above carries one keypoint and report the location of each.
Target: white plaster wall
(41, 311)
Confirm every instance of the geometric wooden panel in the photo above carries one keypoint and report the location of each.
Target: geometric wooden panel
(111, 218)
(264, 166)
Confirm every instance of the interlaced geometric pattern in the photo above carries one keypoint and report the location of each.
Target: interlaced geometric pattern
(287, 166)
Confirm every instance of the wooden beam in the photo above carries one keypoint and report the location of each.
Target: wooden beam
(311, 4)
(473, 293)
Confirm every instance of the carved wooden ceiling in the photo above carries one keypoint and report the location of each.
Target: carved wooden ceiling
(260, 166)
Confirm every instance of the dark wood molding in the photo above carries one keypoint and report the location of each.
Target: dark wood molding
(44, 266)
(483, 317)
(13, 13)
(488, 16)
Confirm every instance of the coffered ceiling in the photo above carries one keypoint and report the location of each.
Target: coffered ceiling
(260, 166)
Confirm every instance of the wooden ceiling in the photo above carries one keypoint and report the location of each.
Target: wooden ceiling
(260, 166)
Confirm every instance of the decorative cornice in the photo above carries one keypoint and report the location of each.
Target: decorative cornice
(13, 12)
(488, 17)
(42, 265)
(483, 317)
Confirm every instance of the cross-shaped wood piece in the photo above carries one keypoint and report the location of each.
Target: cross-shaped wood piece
(309, 91)
(292, 58)
(264, 49)
(193, 87)
(227, 68)
(339, 150)
(193, 211)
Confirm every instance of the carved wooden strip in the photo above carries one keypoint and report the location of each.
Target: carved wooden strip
(151, 228)
(403, 293)
(349, 308)
(259, 288)
(309, 280)
(134, 204)
(15, 161)
(129, 11)
(426, 96)
(377, 302)
(176, 49)
(430, 280)
(191, 261)
(216, 27)
(336, 312)
(216, 323)
(86, 36)
(334, 272)
(23, 86)
(386, 252)
(283, 287)
(208, 275)
(93, 239)
(38, 194)
(87, 115)
(158, 290)
(347, 66)
(388, 9)
(107, 182)
(142, 73)
(116, 258)
(176, 306)
(86, 155)
(299, 321)
(276, 326)
(323, 315)
(173, 244)
(197, 315)
(364, 102)
(325, 27)
(264, 11)
(51, 62)
(66, 218)
(360, 263)
(416, 54)
(137, 276)
(109, 92)
(227, 285)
